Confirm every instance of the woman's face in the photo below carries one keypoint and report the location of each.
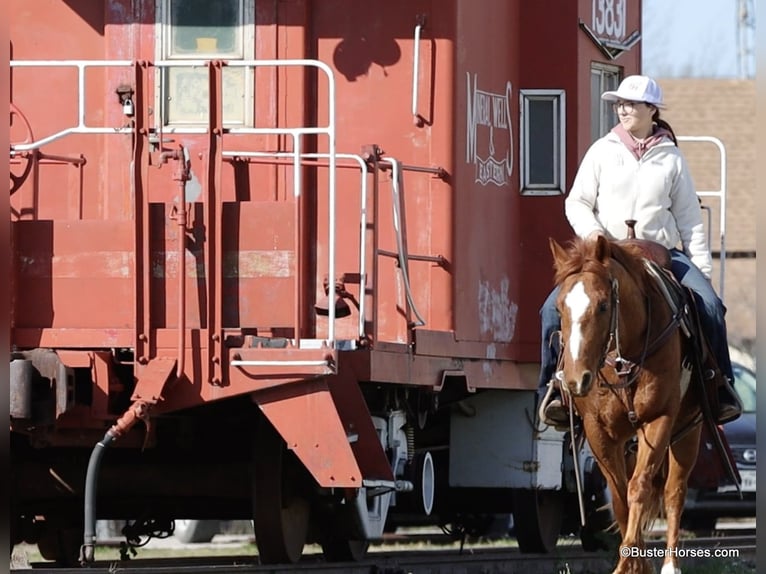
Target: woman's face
(635, 117)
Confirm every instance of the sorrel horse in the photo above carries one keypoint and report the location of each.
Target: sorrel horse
(621, 366)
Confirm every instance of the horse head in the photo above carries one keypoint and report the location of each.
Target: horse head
(586, 303)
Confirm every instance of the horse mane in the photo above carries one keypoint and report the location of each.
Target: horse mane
(579, 258)
(584, 256)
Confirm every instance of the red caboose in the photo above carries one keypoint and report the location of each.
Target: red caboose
(286, 258)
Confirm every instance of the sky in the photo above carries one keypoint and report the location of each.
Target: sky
(692, 38)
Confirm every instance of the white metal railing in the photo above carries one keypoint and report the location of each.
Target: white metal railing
(397, 207)
(416, 71)
(288, 363)
(295, 133)
(359, 160)
(719, 194)
(80, 127)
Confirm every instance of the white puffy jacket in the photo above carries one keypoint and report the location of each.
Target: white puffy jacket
(612, 186)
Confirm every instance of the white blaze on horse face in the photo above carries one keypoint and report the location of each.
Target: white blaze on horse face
(577, 302)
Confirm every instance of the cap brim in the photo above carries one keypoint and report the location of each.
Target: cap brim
(614, 96)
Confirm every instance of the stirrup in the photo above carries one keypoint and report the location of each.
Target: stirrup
(552, 411)
(729, 403)
(546, 398)
(556, 415)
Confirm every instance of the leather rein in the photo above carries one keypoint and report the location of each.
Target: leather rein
(628, 369)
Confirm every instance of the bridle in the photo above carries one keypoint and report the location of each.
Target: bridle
(628, 369)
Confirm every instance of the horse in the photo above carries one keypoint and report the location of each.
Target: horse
(621, 367)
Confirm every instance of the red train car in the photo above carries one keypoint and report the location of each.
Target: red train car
(285, 260)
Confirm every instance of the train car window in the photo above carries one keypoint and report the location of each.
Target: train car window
(211, 28)
(543, 137)
(602, 117)
(203, 30)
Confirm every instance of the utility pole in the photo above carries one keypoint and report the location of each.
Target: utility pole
(746, 38)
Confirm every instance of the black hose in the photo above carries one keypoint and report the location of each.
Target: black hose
(89, 538)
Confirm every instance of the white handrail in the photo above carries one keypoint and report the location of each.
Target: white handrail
(81, 127)
(416, 71)
(720, 193)
(402, 254)
(363, 214)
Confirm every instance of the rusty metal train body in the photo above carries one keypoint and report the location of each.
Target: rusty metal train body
(289, 257)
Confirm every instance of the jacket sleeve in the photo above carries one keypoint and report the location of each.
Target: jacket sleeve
(580, 205)
(686, 210)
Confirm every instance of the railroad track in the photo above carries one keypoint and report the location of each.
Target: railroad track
(567, 560)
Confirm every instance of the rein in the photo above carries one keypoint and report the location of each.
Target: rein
(628, 369)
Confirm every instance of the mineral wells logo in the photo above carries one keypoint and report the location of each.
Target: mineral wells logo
(489, 139)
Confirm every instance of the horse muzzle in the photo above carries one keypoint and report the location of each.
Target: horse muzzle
(579, 387)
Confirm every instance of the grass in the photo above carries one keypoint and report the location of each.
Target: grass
(25, 554)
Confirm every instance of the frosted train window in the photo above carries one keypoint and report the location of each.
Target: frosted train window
(543, 137)
(602, 117)
(204, 30)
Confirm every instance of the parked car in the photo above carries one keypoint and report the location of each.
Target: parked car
(186, 531)
(196, 531)
(705, 506)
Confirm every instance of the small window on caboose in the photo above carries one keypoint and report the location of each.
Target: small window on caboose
(204, 30)
(602, 116)
(543, 139)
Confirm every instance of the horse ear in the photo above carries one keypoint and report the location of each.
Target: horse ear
(603, 248)
(559, 253)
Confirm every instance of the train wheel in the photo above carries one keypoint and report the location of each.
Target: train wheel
(700, 526)
(338, 535)
(16, 524)
(538, 516)
(339, 549)
(281, 507)
(62, 545)
(600, 531)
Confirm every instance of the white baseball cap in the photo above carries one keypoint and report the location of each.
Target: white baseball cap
(637, 89)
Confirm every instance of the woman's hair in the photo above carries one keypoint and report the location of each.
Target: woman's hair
(663, 124)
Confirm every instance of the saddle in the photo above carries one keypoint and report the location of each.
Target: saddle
(657, 261)
(651, 250)
(681, 300)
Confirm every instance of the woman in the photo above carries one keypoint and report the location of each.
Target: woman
(637, 172)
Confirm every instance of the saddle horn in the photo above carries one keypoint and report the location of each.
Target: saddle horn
(631, 223)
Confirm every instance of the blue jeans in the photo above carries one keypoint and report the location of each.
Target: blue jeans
(549, 351)
(711, 310)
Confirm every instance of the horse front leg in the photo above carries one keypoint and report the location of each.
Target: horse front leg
(610, 456)
(643, 497)
(682, 457)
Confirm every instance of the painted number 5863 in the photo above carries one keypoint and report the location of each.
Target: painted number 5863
(609, 17)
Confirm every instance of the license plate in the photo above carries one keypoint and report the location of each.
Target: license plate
(748, 480)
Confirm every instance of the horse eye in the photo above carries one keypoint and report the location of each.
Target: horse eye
(603, 306)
